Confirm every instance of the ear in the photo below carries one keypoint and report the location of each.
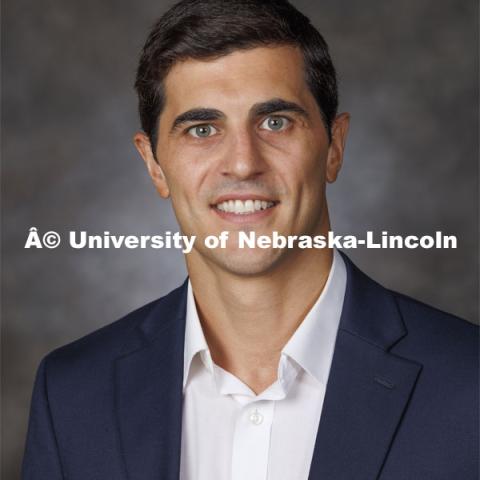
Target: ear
(144, 147)
(337, 146)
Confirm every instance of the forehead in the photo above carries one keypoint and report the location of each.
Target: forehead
(239, 79)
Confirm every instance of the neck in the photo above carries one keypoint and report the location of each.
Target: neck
(248, 320)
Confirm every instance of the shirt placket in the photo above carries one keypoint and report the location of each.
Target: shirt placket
(251, 441)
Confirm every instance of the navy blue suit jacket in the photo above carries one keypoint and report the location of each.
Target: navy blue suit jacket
(401, 401)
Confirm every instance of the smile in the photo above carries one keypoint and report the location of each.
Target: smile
(243, 207)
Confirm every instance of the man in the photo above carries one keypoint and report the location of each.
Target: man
(267, 363)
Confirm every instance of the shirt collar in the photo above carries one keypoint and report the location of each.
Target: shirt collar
(312, 344)
(310, 347)
(194, 338)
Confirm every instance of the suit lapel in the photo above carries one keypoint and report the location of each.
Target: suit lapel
(368, 388)
(148, 392)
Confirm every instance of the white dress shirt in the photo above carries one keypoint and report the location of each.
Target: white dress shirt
(229, 432)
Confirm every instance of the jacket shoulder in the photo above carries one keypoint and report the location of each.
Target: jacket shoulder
(438, 333)
(101, 346)
(413, 309)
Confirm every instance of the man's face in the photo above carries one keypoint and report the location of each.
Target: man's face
(242, 146)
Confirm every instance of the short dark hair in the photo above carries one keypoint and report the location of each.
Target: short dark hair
(204, 29)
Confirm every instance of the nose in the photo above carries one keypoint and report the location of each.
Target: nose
(243, 159)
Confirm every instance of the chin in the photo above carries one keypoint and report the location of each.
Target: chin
(248, 262)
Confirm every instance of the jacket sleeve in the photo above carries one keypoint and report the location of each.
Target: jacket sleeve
(41, 459)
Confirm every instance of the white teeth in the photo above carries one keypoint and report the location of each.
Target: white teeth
(242, 207)
(239, 207)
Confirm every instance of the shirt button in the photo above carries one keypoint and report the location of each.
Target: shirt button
(256, 417)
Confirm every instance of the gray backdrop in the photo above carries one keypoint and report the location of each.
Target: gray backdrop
(408, 74)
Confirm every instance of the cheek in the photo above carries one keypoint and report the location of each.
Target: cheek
(193, 167)
(186, 175)
(303, 169)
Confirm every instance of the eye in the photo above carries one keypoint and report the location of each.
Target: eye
(202, 131)
(275, 123)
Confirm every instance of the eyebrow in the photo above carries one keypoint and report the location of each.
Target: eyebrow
(277, 105)
(197, 115)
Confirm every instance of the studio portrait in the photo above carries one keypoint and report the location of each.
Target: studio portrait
(240, 240)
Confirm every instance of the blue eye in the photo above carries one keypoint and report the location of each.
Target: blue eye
(202, 131)
(275, 123)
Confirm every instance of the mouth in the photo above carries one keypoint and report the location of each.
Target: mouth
(241, 207)
(244, 208)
